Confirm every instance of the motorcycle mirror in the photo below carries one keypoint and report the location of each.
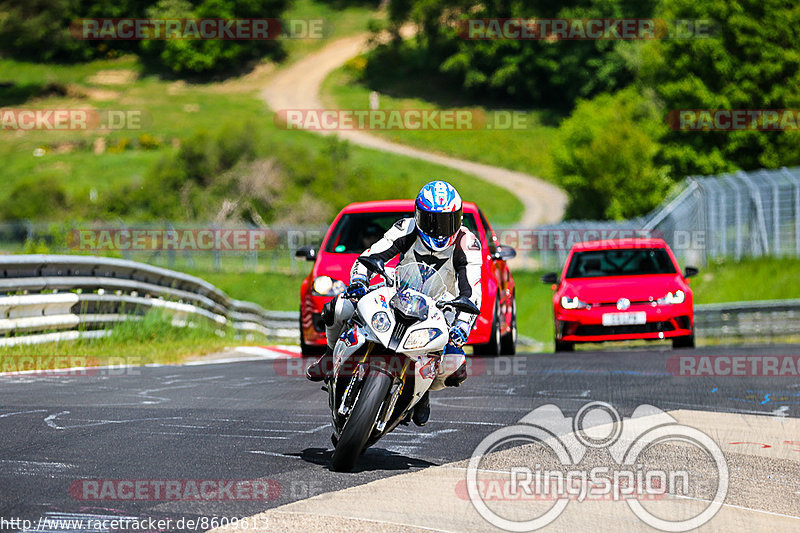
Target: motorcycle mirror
(462, 303)
(376, 266)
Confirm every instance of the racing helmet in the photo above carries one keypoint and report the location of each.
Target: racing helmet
(438, 214)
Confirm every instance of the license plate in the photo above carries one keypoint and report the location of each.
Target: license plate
(624, 319)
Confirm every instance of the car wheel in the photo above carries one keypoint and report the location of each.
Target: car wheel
(686, 341)
(492, 348)
(307, 349)
(565, 346)
(508, 343)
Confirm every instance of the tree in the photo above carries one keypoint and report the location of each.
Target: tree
(751, 60)
(604, 156)
(534, 72)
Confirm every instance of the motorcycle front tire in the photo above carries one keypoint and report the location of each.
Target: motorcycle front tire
(359, 426)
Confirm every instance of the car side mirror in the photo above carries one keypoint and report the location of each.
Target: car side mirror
(504, 253)
(690, 271)
(550, 278)
(309, 253)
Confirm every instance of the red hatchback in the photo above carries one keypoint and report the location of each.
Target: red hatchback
(621, 290)
(360, 225)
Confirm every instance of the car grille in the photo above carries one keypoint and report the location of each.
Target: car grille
(596, 329)
(614, 304)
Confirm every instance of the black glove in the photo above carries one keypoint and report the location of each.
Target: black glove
(357, 288)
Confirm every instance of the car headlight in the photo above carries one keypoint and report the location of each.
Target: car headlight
(573, 303)
(676, 297)
(381, 322)
(421, 337)
(327, 286)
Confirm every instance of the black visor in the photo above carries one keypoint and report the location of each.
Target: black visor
(438, 225)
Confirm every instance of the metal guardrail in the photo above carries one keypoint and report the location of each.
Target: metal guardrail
(764, 318)
(45, 298)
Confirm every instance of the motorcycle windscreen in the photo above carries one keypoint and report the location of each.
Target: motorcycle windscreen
(410, 305)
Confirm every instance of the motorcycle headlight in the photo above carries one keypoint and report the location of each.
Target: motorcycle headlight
(573, 303)
(676, 297)
(381, 322)
(419, 338)
(327, 286)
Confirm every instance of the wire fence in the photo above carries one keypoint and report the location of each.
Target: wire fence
(182, 246)
(735, 215)
(732, 216)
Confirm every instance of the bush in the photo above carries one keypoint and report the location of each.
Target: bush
(31, 199)
(604, 157)
(197, 56)
(750, 61)
(531, 72)
(39, 30)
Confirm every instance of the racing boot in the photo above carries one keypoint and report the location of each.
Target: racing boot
(422, 411)
(457, 378)
(322, 368)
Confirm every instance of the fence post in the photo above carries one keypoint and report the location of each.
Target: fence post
(761, 226)
(776, 237)
(796, 183)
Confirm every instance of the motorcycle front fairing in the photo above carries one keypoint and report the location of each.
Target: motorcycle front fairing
(408, 324)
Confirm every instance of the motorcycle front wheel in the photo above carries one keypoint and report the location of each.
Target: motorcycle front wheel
(359, 426)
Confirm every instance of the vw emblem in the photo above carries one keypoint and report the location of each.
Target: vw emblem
(623, 304)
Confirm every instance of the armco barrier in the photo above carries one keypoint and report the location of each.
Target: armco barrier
(766, 318)
(44, 298)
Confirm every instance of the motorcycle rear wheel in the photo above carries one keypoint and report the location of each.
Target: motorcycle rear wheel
(359, 426)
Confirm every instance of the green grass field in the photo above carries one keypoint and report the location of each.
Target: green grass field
(526, 149)
(171, 111)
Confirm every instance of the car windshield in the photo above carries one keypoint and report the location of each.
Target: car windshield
(620, 262)
(356, 232)
(419, 277)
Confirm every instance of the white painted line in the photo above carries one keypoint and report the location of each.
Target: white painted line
(275, 454)
(6, 415)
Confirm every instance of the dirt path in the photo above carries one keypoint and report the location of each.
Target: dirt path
(298, 87)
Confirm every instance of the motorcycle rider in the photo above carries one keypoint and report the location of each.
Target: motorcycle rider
(434, 236)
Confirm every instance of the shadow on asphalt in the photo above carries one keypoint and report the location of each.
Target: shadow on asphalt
(372, 459)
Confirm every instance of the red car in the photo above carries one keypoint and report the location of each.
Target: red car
(360, 225)
(621, 290)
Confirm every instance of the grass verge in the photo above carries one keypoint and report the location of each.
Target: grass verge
(153, 339)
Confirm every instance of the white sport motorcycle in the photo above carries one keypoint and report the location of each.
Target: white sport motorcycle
(388, 356)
